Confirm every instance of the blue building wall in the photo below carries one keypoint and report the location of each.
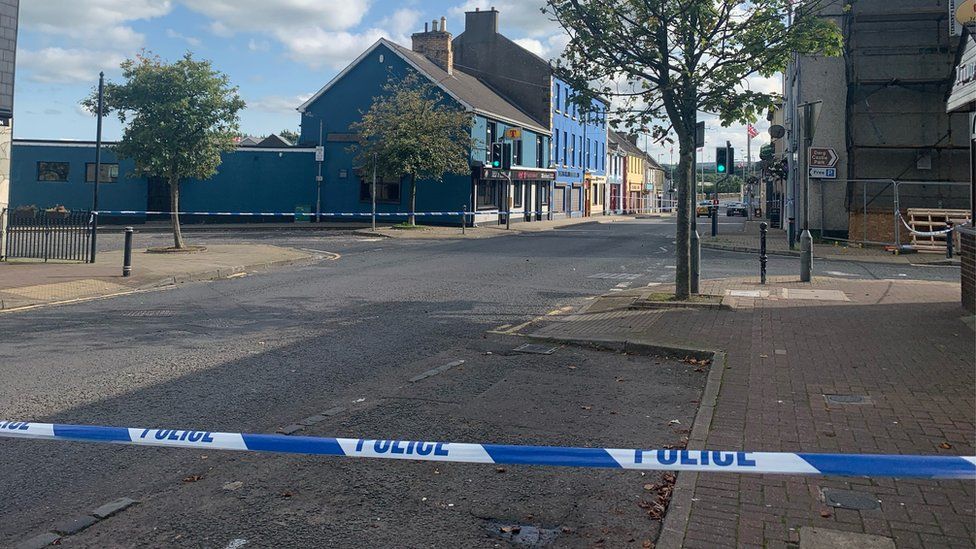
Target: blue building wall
(75, 194)
(581, 145)
(248, 180)
(342, 104)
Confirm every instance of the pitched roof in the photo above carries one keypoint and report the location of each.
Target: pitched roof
(275, 140)
(472, 93)
(624, 143)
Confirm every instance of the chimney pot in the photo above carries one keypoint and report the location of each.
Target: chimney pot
(443, 24)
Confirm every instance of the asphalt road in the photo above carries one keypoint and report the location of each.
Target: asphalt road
(261, 352)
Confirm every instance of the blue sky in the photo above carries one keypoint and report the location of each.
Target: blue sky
(278, 52)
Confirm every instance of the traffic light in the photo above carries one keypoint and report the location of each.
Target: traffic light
(725, 160)
(507, 156)
(496, 155)
(722, 160)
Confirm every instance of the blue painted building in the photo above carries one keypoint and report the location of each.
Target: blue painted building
(579, 153)
(330, 113)
(251, 179)
(579, 141)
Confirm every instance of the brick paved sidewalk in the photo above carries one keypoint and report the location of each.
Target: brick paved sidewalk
(902, 344)
(747, 240)
(28, 283)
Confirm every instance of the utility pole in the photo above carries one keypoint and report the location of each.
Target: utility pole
(98, 162)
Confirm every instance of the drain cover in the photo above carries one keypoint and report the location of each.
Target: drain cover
(848, 399)
(521, 535)
(849, 499)
(148, 313)
(535, 349)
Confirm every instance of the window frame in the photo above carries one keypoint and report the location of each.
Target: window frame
(366, 189)
(90, 166)
(67, 171)
(492, 202)
(518, 194)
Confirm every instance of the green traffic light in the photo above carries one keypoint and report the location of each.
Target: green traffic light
(721, 168)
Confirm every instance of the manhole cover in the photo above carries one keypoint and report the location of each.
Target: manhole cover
(535, 349)
(521, 535)
(849, 499)
(148, 313)
(848, 399)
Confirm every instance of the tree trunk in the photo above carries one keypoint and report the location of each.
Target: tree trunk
(685, 183)
(174, 209)
(413, 200)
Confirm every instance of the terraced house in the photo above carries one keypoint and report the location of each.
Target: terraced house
(579, 139)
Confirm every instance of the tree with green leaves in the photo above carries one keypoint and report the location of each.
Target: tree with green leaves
(665, 61)
(290, 135)
(179, 117)
(414, 130)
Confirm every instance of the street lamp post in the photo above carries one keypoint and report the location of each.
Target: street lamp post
(98, 163)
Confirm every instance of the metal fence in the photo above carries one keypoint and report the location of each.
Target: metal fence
(875, 206)
(38, 234)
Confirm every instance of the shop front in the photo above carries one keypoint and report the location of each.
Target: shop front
(596, 191)
(526, 193)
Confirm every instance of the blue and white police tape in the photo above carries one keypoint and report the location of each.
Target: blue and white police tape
(861, 465)
(929, 233)
(312, 214)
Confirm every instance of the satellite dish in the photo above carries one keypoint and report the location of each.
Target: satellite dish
(776, 131)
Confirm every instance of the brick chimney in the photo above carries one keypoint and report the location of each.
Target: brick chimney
(435, 44)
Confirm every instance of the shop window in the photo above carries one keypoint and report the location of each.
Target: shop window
(52, 171)
(517, 195)
(539, 151)
(544, 195)
(110, 173)
(386, 191)
(487, 196)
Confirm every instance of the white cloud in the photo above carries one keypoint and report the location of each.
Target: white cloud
(104, 20)
(178, 36)
(258, 45)
(60, 65)
(281, 15)
(402, 23)
(525, 17)
(278, 104)
(317, 48)
(92, 35)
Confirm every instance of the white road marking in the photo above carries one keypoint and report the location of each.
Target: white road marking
(624, 285)
(838, 273)
(236, 543)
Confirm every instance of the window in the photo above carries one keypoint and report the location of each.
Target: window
(566, 105)
(588, 153)
(491, 135)
(517, 195)
(539, 151)
(517, 153)
(110, 173)
(544, 195)
(559, 97)
(386, 191)
(52, 171)
(565, 146)
(487, 196)
(572, 152)
(556, 146)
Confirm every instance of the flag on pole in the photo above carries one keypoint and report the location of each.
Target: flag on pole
(753, 132)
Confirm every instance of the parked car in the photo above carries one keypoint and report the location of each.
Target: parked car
(737, 208)
(705, 208)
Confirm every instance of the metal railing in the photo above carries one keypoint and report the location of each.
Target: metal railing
(875, 206)
(38, 234)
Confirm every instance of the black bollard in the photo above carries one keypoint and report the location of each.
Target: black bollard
(763, 227)
(464, 217)
(127, 253)
(715, 221)
(949, 242)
